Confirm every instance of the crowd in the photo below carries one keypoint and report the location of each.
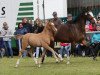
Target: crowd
(26, 27)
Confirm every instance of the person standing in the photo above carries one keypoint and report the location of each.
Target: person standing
(19, 32)
(6, 32)
(2, 50)
(65, 50)
(38, 28)
(69, 18)
(27, 25)
(57, 22)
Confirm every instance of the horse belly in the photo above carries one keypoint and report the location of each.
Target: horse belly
(34, 41)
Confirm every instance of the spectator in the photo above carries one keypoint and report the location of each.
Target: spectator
(38, 28)
(57, 22)
(65, 49)
(19, 32)
(87, 28)
(6, 32)
(98, 16)
(27, 25)
(2, 50)
(91, 28)
(96, 36)
(69, 18)
(98, 22)
(80, 49)
(96, 41)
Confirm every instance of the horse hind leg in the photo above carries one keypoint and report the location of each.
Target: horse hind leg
(24, 45)
(50, 49)
(18, 60)
(59, 56)
(53, 52)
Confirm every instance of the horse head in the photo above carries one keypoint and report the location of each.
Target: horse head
(90, 17)
(83, 17)
(51, 27)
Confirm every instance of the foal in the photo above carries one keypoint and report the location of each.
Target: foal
(41, 40)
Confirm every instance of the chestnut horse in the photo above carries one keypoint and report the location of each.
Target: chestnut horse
(39, 40)
(74, 31)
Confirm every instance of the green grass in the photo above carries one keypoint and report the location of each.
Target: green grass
(78, 66)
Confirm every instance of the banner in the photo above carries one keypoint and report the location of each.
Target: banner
(2, 10)
(12, 11)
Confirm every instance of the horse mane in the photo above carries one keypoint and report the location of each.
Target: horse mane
(78, 21)
(77, 18)
(48, 29)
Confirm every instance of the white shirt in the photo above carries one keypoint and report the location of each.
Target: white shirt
(6, 33)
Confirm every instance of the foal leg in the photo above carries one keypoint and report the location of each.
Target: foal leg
(59, 56)
(53, 52)
(32, 53)
(20, 56)
(50, 49)
(24, 45)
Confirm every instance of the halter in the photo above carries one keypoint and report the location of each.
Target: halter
(90, 13)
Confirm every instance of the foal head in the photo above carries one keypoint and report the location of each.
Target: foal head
(51, 27)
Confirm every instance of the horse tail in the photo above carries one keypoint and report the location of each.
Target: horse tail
(18, 36)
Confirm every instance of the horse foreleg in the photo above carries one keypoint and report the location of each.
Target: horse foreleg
(53, 52)
(24, 45)
(59, 56)
(18, 60)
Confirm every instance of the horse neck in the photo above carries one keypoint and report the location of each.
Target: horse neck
(81, 21)
(48, 32)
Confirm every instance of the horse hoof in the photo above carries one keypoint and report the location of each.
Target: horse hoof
(36, 62)
(39, 66)
(56, 61)
(15, 66)
(61, 60)
(68, 62)
(94, 59)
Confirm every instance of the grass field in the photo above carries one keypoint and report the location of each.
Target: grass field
(78, 66)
